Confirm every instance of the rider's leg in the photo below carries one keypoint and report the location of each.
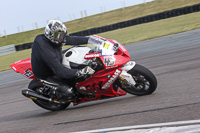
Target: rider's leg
(64, 91)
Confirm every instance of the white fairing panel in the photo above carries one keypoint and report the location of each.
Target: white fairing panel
(127, 77)
(75, 55)
(128, 66)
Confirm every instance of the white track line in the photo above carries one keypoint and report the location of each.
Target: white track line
(169, 124)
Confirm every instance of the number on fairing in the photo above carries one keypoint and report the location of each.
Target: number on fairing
(28, 73)
(109, 61)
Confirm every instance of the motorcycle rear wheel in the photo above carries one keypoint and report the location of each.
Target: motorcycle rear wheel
(146, 82)
(49, 105)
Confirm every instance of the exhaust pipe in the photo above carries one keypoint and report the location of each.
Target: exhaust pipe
(35, 96)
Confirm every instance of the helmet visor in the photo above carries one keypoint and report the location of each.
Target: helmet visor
(59, 36)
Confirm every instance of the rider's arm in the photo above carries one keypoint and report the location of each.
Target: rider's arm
(76, 40)
(51, 58)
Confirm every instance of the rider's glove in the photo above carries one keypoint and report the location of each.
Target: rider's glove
(85, 71)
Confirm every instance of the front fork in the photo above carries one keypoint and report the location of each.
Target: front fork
(125, 78)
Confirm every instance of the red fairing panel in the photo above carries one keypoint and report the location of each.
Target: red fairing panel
(23, 67)
(101, 83)
(122, 50)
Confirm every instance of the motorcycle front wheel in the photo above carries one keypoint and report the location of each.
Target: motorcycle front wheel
(49, 105)
(146, 82)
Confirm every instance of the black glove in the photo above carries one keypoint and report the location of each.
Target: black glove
(85, 71)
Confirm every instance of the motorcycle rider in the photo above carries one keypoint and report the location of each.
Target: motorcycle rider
(46, 58)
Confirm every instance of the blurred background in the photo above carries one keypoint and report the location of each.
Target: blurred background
(23, 15)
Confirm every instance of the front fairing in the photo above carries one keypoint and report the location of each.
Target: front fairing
(109, 57)
(114, 61)
(121, 49)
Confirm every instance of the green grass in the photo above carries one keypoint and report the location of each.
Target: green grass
(155, 29)
(103, 19)
(128, 35)
(6, 60)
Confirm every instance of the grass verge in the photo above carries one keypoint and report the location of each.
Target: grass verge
(155, 29)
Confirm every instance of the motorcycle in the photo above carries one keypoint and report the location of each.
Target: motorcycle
(115, 75)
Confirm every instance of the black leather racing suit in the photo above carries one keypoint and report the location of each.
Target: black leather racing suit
(46, 61)
(46, 57)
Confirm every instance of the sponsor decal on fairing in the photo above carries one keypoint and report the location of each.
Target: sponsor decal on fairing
(112, 79)
(92, 55)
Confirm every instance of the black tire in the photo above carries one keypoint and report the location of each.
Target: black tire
(49, 105)
(144, 78)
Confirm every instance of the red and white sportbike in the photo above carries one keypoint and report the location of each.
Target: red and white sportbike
(115, 75)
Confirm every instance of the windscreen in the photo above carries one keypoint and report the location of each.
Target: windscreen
(103, 47)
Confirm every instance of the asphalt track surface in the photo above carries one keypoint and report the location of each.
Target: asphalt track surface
(174, 59)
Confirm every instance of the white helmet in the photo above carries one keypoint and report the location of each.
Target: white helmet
(56, 32)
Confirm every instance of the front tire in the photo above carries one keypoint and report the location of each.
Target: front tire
(49, 105)
(146, 82)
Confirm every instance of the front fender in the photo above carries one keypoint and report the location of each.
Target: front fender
(125, 75)
(128, 66)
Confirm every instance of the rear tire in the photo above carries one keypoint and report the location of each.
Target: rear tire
(49, 105)
(146, 82)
